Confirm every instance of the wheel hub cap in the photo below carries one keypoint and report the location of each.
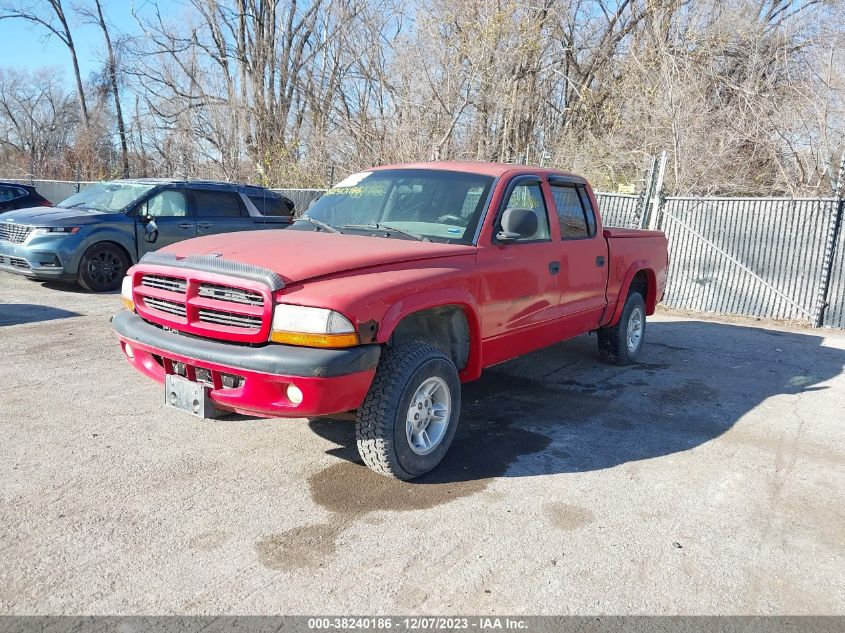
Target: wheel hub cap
(428, 415)
(635, 330)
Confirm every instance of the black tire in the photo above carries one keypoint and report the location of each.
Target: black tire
(102, 267)
(380, 423)
(613, 341)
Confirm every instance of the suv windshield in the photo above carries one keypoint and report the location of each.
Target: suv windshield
(443, 206)
(112, 197)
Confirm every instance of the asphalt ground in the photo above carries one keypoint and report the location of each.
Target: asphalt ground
(708, 479)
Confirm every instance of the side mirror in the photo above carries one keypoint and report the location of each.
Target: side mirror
(517, 224)
(150, 229)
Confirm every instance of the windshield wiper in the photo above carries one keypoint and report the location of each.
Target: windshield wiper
(320, 224)
(385, 227)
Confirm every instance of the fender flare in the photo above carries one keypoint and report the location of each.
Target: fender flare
(640, 265)
(435, 299)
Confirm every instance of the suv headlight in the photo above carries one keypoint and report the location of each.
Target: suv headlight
(311, 327)
(54, 230)
(126, 293)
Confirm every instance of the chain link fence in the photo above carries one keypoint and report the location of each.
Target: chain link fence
(773, 258)
(757, 257)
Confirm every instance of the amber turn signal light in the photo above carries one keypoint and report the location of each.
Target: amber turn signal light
(314, 340)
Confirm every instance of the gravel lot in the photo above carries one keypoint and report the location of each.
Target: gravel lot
(708, 479)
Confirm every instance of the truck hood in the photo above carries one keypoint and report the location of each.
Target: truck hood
(55, 216)
(301, 255)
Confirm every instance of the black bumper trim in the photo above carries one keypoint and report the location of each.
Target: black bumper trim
(279, 360)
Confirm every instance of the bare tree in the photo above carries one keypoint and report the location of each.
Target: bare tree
(37, 120)
(50, 15)
(96, 16)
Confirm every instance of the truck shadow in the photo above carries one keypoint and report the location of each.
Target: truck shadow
(561, 410)
(18, 313)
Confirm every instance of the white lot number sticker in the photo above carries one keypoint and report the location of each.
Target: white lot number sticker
(352, 179)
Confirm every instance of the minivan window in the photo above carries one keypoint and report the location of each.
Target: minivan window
(110, 197)
(167, 204)
(270, 205)
(217, 204)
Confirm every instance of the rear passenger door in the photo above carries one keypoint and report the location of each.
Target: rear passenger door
(583, 254)
(220, 211)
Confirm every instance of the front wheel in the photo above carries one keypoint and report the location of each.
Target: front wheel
(102, 267)
(621, 344)
(409, 417)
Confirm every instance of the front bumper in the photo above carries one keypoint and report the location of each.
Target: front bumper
(331, 380)
(21, 259)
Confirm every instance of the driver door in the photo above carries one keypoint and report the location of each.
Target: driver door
(521, 280)
(171, 213)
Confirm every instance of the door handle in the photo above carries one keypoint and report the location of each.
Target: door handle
(554, 267)
(600, 261)
(186, 225)
(205, 225)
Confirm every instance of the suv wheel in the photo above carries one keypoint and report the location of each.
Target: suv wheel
(410, 415)
(621, 343)
(102, 267)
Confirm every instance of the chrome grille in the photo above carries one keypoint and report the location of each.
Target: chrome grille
(230, 294)
(219, 317)
(14, 233)
(161, 282)
(163, 305)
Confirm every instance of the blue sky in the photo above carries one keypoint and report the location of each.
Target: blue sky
(24, 46)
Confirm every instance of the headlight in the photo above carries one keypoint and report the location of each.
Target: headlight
(126, 293)
(311, 327)
(54, 230)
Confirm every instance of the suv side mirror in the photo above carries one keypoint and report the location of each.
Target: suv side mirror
(517, 224)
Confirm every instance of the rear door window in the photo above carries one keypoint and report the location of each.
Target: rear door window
(571, 214)
(11, 193)
(218, 204)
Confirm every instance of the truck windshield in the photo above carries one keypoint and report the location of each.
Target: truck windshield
(112, 197)
(438, 205)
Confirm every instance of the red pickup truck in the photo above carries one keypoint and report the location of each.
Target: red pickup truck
(398, 285)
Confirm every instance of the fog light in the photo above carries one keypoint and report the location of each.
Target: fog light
(294, 394)
(129, 351)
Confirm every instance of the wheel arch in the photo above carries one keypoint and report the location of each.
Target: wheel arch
(640, 275)
(126, 245)
(450, 320)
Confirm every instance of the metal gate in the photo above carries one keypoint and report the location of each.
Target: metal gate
(758, 257)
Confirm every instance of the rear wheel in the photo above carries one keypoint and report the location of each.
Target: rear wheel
(102, 267)
(620, 344)
(409, 417)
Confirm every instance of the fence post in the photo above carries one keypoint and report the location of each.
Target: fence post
(645, 194)
(834, 229)
(652, 220)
